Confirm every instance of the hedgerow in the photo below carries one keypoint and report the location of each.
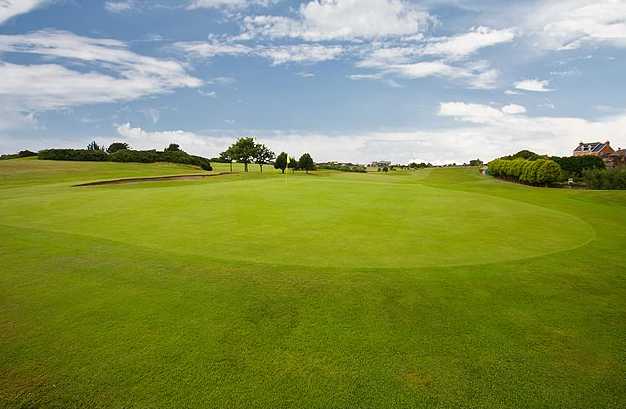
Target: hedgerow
(73, 155)
(126, 155)
(532, 172)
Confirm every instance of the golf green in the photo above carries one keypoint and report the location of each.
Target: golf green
(338, 222)
(434, 288)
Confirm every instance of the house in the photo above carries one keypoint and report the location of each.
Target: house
(603, 150)
(600, 149)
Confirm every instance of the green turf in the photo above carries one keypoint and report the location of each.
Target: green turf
(435, 288)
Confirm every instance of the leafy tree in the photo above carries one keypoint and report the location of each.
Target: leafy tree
(293, 164)
(117, 146)
(263, 155)
(174, 147)
(93, 146)
(281, 162)
(306, 162)
(525, 154)
(243, 150)
(476, 162)
(574, 166)
(550, 171)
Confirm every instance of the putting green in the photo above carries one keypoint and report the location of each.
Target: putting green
(310, 221)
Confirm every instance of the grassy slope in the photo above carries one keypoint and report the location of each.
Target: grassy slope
(31, 171)
(95, 313)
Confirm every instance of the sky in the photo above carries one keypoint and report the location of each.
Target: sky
(437, 81)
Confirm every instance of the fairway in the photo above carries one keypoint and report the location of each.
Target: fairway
(432, 288)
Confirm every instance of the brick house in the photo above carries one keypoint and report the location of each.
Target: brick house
(600, 149)
(611, 157)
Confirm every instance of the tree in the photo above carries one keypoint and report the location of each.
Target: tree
(525, 154)
(281, 162)
(551, 171)
(243, 150)
(306, 162)
(263, 155)
(93, 146)
(293, 164)
(476, 162)
(174, 147)
(117, 146)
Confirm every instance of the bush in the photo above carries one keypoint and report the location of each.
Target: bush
(532, 172)
(574, 166)
(605, 178)
(152, 156)
(128, 155)
(73, 155)
(343, 167)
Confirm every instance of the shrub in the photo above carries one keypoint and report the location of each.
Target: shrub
(128, 155)
(534, 172)
(605, 178)
(152, 156)
(73, 155)
(574, 166)
(343, 167)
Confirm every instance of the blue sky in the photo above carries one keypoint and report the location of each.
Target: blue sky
(350, 80)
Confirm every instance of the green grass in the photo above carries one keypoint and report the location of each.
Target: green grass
(435, 288)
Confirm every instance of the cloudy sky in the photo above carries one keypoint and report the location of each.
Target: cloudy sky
(350, 80)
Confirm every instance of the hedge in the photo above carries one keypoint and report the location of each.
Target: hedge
(126, 155)
(73, 155)
(532, 172)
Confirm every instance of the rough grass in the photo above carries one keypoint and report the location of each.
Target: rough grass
(438, 288)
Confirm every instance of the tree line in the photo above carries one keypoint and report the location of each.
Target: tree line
(246, 151)
(121, 152)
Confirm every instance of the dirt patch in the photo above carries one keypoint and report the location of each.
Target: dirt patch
(150, 179)
(417, 380)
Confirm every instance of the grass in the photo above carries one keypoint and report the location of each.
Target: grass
(435, 288)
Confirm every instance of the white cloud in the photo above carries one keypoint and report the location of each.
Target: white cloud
(109, 72)
(571, 24)
(533, 85)
(480, 131)
(216, 4)
(119, 6)
(513, 109)
(297, 53)
(139, 138)
(476, 113)
(463, 45)
(205, 49)
(409, 61)
(300, 53)
(476, 75)
(12, 8)
(343, 19)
